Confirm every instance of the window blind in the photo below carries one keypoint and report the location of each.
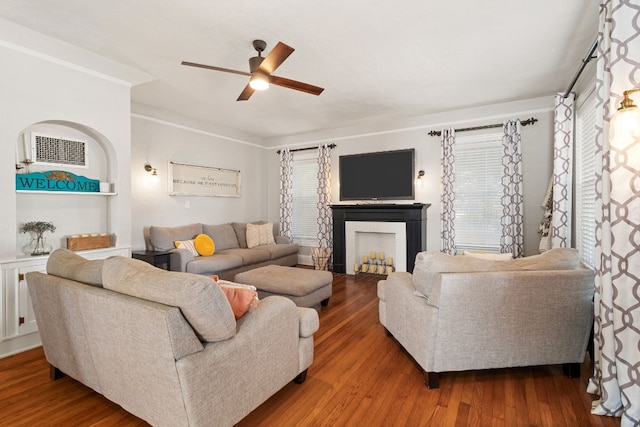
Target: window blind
(586, 179)
(304, 215)
(478, 192)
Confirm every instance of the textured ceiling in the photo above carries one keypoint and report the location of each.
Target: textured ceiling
(376, 61)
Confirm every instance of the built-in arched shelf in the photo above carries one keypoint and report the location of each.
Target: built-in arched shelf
(72, 212)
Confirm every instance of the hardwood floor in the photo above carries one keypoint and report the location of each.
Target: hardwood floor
(359, 377)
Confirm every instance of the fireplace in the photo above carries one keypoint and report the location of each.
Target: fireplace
(413, 218)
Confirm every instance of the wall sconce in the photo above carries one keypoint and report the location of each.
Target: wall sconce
(624, 128)
(420, 174)
(151, 169)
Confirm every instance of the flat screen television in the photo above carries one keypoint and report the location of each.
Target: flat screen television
(383, 175)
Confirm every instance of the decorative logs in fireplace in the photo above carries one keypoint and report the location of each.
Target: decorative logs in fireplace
(375, 263)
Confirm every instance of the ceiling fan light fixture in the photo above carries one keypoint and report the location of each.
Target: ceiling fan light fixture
(259, 81)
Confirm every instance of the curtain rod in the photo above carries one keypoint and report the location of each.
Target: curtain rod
(497, 125)
(585, 61)
(307, 148)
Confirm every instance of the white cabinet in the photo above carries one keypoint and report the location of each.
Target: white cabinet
(18, 318)
(18, 328)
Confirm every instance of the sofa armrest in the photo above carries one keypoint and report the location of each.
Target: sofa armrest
(180, 258)
(263, 356)
(282, 239)
(309, 321)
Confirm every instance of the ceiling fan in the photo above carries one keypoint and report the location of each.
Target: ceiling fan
(260, 71)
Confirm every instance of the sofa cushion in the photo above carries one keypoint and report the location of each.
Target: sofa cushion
(163, 238)
(488, 255)
(429, 264)
(261, 234)
(69, 265)
(223, 236)
(240, 229)
(553, 259)
(203, 304)
(204, 245)
(279, 250)
(249, 256)
(219, 262)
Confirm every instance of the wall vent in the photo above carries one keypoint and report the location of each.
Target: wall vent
(49, 150)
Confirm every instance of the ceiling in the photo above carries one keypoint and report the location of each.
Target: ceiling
(376, 61)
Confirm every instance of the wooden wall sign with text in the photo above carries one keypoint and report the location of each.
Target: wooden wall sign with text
(190, 180)
(56, 181)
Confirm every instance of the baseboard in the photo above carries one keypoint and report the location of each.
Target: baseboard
(19, 344)
(305, 260)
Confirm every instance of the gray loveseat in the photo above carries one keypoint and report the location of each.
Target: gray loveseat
(462, 313)
(231, 256)
(164, 345)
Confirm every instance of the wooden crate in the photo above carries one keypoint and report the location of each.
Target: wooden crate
(80, 243)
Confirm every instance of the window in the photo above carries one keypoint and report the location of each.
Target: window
(586, 179)
(478, 193)
(304, 214)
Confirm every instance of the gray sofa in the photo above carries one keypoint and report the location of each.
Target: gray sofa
(165, 345)
(231, 256)
(463, 313)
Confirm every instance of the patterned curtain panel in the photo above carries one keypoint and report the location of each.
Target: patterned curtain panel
(286, 191)
(512, 240)
(325, 218)
(562, 171)
(447, 193)
(616, 377)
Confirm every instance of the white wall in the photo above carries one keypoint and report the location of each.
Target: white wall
(37, 88)
(413, 133)
(180, 140)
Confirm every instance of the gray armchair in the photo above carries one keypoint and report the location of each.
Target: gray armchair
(463, 313)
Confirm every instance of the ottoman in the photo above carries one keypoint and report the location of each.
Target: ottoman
(305, 287)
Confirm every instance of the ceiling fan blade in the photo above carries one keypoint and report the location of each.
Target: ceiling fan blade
(211, 67)
(293, 84)
(246, 93)
(275, 58)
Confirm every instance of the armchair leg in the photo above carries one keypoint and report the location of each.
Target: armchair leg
(325, 302)
(302, 376)
(431, 379)
(55, 373)
(571, 370)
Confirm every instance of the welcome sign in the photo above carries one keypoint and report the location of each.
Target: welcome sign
(56, 181)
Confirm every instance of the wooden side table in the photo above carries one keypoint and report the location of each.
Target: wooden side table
(155, 258)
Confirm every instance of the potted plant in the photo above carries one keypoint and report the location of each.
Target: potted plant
(38, 244)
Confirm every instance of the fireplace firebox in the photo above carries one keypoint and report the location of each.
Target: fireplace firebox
(414, 216)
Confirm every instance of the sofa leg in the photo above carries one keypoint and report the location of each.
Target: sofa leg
(325, 302)
(55, 373)
(571, 370)
(431, 379)
(386, 331)
(302, 376)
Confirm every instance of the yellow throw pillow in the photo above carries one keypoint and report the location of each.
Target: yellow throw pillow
(205, 245)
